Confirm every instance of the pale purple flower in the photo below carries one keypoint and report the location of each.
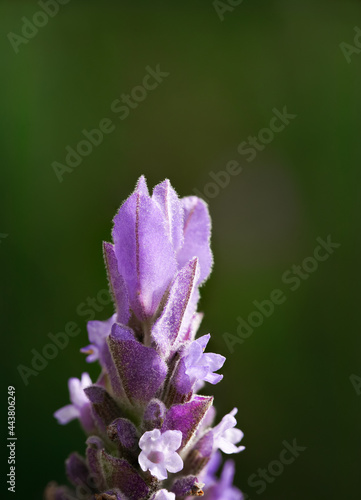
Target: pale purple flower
(163, 495)
(80, 406)
(200, 365)
(159, 453)
(226, 436)
(98, 332)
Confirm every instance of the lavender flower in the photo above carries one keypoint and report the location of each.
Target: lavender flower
(226, 436)
(150, 434)
(80, 406)
(159, 452)
(199, 365)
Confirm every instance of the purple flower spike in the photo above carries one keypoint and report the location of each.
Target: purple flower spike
(150, 435)
(159, 452)
(80, 407)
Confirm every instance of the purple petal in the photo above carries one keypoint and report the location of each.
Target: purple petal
(117, 284)
(169, 326)
(163, 495)
(141, 186)
(213, 378)
(228, 473)
(214, 361)
(154, 415)
(174, 463)
(105, 409)
(86, 419)
(144, 252)
(140, 368)
(172, 209)
(200, 365)
(149, 438)
(92, 351)
(187, 417)
(76, 469)
(123, 431)
(194, 353)
(193, 327)
(66, 414)
(209, 477)
(120, 474)
(189, 315)
(121, 332)
(98, 331)
(171, 439)
(197, 232)
(224, 487)
(197, 374)
(203, 341)
(112, 373)
(207, 421)
(227, 422)
(76, 389)
(200, 454)
(95, 445)
(180, 385)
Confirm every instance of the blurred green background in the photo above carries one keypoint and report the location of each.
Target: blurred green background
(290, 379)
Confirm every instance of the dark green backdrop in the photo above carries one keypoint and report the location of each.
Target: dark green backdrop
(291, 378)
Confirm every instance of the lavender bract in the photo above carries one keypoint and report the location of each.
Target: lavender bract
(150, 434)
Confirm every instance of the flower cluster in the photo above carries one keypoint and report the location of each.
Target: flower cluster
(150, 433)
